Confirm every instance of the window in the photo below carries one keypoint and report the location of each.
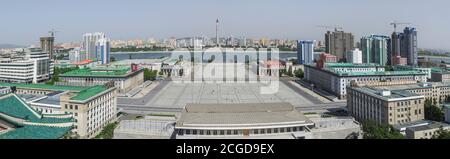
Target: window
(269, 131)
(214, 132)
(275, 130)
(263, 131)
(228, 132)
(76, 107)
(288, 130)
(194, 132)
(208, 132)
(235, 132)
(201, 132)
(222, 132)
(295, 129)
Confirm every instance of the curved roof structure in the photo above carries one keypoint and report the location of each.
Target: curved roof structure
(30, 124)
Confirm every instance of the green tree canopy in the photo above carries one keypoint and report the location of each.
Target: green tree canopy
(150, 75)
(299, 73)
(379, 131)
(433, 112)
(441, 134)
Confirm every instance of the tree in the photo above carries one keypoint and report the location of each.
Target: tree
(372, 130)
(433, 112)
(441, 134)
(58, 71)
(299, 73)
(108, 131)
(388, 68)
(150, 75)
(282, 72)
(289, 72)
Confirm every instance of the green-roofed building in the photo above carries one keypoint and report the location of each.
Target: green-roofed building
(336, 77)
(125, 78)
(440, 74)
(18, 120)
(92, 108)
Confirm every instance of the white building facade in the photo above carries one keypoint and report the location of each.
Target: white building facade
(89, 44)
(33, 67)
(354, 56)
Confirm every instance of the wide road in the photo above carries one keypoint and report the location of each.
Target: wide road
(301, 92)
(144, 100)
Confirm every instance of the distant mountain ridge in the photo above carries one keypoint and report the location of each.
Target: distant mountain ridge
(9, 46)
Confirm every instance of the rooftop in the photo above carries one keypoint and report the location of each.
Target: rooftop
(388, 73)
(417, 86)
(350, 65)
(36, 132)
(99, 72)
(88, 93)
(388, 94)
(237, 115)
(440, 70)
(403, 127)
(433, 125)
(331, 69)
(43, 86)
(25, 118)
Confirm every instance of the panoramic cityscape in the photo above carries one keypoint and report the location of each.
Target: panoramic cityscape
(387, 80)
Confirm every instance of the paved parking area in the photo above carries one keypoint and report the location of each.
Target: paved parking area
(176, 95)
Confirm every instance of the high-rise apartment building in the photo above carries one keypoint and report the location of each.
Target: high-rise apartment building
(89, 44)
(409, 46)
(305, 52)
(338, 43)
(76, 55)
(404, 45)
(103, 50)
(375, 49)
(47, 45)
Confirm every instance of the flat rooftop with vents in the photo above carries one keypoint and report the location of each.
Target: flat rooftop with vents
(242, 120)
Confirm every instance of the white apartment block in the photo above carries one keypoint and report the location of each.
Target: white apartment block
(30, 67)
(354, 56)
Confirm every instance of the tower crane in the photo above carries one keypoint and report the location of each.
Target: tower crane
(395, 24)
(335, 27)
(53, 32)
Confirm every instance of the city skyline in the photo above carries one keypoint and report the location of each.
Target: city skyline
(159, 19)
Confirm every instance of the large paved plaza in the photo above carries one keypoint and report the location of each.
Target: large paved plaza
(175, 95)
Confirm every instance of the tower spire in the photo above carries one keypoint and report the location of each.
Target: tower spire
(217, 32)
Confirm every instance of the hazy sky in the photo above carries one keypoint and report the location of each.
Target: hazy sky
(24, 21)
